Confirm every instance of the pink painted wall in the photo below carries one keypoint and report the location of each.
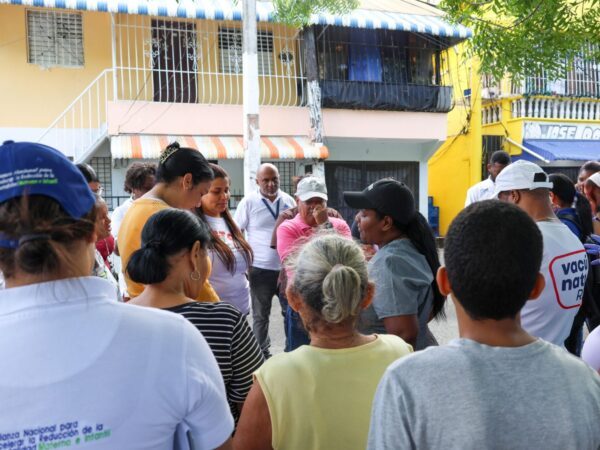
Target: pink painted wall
(125, 117)
(197, 119)
(384, 124)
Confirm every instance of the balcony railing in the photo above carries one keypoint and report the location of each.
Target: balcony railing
(200, 61)
(385, 96)
(555, 108)
(580, 78)
(381, 69)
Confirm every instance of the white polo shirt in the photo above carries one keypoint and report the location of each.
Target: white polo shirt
(80, 370)
(257, 215)
(565, 269)
(484, 190)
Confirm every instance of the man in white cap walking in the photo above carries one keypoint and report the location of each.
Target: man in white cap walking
(564, 263)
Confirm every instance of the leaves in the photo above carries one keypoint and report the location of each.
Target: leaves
(297, 13)
(525, 37)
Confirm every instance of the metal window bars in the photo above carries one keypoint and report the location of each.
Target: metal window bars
(55, 38)
(200, 61)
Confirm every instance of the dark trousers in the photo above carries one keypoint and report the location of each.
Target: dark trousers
(295, 332)
(263, 286)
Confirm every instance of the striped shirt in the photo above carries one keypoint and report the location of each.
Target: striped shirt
(232, 342)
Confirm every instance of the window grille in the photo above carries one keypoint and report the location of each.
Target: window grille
(287, 170)
(103, 167)
(55, 38)
(230, 46)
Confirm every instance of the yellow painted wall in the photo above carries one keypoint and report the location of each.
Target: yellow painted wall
(457, 163)
(31, 96)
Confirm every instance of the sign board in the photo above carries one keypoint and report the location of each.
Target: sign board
(565, 131)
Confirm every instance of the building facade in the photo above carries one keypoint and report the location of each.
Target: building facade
(552, 122)
(111, 83)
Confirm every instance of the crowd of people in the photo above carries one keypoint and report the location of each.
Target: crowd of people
(132, 330)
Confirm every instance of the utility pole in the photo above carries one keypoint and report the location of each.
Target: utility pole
(250, 84)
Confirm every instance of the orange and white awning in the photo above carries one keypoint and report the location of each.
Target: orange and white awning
(144, 146)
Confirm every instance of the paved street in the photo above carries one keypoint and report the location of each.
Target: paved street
(444, 331)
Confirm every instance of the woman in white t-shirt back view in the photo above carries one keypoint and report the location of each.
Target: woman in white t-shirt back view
(231, 255)
(80, 367)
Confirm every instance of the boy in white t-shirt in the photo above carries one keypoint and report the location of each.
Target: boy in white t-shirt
(564, 264)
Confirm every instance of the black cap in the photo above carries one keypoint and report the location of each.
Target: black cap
(389, 197)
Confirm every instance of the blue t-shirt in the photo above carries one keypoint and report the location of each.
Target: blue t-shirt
(402, 280)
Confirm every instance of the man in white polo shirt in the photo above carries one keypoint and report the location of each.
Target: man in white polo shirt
(484, 190)
(564, 262)
(256, 215)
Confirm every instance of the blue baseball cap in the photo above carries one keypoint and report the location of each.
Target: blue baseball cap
(27, 168)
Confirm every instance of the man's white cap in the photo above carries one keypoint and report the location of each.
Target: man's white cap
(595, 179)
(521, 175)
(311, 187)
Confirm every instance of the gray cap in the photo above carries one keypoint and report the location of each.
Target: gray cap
(311, 187)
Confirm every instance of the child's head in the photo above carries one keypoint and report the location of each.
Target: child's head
(493, 253)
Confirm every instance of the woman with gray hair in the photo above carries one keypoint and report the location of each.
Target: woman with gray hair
(319, 396)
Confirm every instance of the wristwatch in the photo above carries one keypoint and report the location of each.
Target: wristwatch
(326, 226)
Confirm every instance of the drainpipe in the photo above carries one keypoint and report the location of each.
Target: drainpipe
(314, 95)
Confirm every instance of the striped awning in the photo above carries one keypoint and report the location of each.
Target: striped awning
(225, 10)
(148, 146)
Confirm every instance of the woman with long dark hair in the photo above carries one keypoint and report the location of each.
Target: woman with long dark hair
(407, 296)
(80, 366)
(173, 264)
(230, 255)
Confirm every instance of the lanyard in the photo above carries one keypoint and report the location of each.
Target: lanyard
(275, 213)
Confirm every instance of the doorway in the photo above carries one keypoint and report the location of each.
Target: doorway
(174, 61)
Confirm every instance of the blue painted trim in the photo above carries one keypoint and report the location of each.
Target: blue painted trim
(358, 19)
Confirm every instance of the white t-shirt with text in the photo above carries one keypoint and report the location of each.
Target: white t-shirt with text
(231, 288)
(565, 268)
(83, 371)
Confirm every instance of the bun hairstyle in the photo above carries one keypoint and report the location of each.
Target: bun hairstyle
(175, 161)
(166, 233)
(330, 275)
(44, 232)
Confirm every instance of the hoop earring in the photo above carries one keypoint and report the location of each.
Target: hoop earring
(195, 275)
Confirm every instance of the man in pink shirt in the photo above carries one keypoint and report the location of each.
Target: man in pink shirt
(311, 196)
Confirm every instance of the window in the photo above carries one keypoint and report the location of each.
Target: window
(55, 38)
(230, 46)
(103, 167)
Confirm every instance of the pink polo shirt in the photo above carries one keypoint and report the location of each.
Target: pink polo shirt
(293, 232)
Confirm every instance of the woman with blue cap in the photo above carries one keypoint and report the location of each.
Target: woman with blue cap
(79, 367)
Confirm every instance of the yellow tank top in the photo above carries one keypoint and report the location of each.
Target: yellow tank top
(320, 399)
(130, 239)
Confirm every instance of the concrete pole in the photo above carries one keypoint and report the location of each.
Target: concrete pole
(250, 76)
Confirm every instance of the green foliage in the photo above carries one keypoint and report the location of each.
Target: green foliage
(523, 37)
(297, 13)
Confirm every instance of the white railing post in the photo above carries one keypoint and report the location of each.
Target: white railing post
(68, 131)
